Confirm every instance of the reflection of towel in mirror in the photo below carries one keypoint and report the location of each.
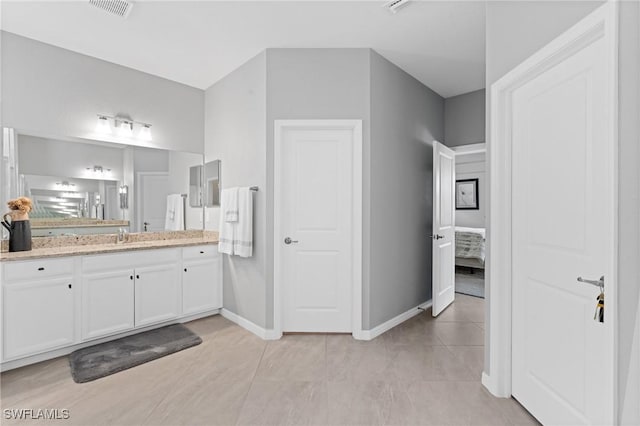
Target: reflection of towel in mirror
(237, 237)
(174, 220)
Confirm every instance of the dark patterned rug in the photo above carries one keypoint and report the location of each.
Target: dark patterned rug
(101, 360)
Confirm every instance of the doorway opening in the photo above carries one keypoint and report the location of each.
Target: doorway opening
(470, 219)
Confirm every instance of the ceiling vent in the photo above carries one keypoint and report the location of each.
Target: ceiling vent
(394, 5)
(120, 8)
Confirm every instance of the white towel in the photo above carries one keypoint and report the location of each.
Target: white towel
(174, 220)
(229, 205)
(237, 237)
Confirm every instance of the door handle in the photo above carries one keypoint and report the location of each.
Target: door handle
(597, 283)
(436, 237)
(289, 241)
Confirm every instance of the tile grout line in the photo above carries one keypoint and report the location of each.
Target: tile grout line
(255, 372)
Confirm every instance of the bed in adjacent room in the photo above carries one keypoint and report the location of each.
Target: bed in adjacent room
(470, 247)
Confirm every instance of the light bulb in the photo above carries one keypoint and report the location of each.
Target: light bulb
(145, 132)
(103, 126)
(125, 129)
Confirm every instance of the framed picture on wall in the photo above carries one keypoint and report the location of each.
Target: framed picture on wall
(467, 194)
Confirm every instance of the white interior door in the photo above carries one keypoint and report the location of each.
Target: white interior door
(153, 191)
(444, 180)
(315, 226)
(562, 228)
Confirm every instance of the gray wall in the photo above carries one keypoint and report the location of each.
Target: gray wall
(406, 117)
(235, 134)
(331, 84)
(316, 84)
(49, 91)
(473, 166)
(464, 118)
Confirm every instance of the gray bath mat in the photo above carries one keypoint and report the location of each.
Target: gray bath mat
(472, 285)
(101, 360)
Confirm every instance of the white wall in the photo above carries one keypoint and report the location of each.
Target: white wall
(49, 91)
(235, 129)
(464, 119)
(473, 166)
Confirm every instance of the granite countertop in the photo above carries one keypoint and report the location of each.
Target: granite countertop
(62, 248)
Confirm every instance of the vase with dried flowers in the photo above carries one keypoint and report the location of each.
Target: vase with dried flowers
(18, 225)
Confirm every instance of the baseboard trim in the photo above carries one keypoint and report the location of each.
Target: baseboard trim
(491, 385)
(388, 325)
(254, 328)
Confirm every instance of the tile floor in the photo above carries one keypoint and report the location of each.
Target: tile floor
(425, 371)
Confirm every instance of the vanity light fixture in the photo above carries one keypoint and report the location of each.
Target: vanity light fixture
(394, 5)
(98, 170)
(124, 127)
(65, 184)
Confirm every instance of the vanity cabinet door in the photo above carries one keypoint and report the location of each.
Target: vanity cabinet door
(107, 303)
(201, 286)
(38, 316)
(157, 293)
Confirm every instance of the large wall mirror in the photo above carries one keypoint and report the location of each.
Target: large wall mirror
(89, 187)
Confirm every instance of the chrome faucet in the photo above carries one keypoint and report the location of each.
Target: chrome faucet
(122, 235)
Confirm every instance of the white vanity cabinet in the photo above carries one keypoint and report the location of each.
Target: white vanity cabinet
(107, 303)
(201, 279)
(38, 301)
(53, 306)
(157, 293)
(127, 290)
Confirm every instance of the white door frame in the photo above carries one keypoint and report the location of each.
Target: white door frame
(476, 148)
(356, 127)
(601, 24)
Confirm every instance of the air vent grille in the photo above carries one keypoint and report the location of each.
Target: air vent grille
(394, 5)
(120, 8)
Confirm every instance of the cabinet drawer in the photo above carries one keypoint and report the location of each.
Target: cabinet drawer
(128, 260)
(200, 252)
(35, 269)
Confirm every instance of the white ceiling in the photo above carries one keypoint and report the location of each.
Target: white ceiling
(197, 43)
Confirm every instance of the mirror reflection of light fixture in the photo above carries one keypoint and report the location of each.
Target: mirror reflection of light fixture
(123, 126)
(145, 132)
(65, 184)
(103, 126)
(124, 196)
